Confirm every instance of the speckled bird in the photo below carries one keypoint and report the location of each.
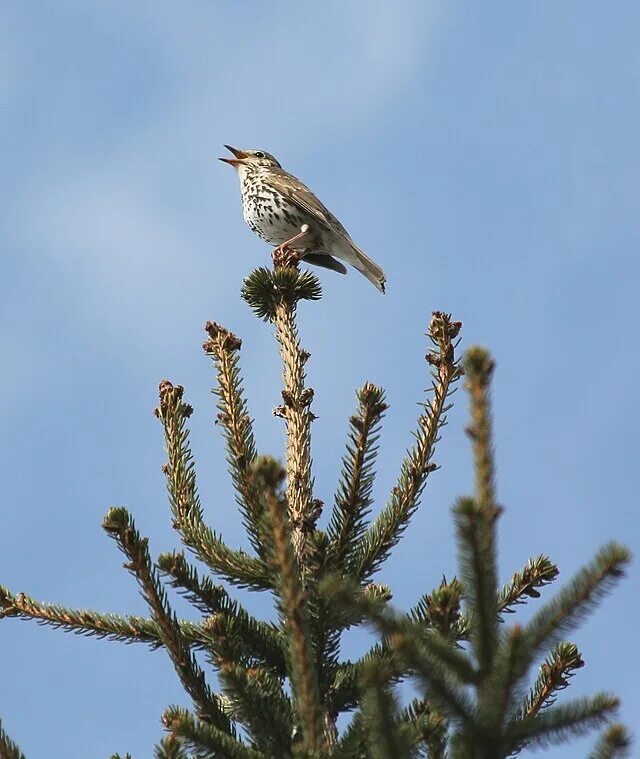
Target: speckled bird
(285, 213)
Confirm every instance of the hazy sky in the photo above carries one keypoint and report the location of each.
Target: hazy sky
(486, 154)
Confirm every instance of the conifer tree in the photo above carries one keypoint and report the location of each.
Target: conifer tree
(282, 683)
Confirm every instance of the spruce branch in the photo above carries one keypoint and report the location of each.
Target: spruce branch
(264, 289)
(388, 527)
(325, 629)
(352, 744)
(255, 642)
(387, 735)
(443, 669)
(236, 566)
(291, 594)
(246, 640)
(537, 573)
(557, 725)
(205, 741)
(119, 525)
(205, 595)
(353, 499)
(430, 727)
(169, 748)
(8, 749)
(440, 610)
(339, 681)
(126, 629)
(257, 699)
(496, 693)
(345, 688)
(479, 368)
(298, 418)
(476, 519)
(180, 469)
(223, 347)
(274, 295)
(476, 559)
(563, 614)
(615, 743)
(472, 702)
(555, 673)
(342, 615)
(441, 687)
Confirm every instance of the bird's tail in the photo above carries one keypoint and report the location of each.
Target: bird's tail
(370, 269)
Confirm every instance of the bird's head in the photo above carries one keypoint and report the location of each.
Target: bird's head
(251, 159)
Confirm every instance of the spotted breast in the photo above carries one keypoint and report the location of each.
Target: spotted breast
(267, 212)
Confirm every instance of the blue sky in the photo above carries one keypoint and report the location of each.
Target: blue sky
(485, 154)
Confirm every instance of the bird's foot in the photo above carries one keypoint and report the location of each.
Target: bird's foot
(284, 257)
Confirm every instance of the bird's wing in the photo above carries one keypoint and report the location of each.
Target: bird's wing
(301, 196)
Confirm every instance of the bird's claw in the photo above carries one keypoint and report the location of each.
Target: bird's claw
(284, 257)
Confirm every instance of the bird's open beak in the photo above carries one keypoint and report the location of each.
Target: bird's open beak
(239, 155)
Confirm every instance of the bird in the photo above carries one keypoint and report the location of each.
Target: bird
(281, 210)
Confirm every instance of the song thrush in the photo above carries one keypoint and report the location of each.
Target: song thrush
(285, 213)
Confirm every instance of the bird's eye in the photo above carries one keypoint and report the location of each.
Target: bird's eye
(259, 154)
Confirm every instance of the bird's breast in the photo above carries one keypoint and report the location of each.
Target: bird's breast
(270, 215)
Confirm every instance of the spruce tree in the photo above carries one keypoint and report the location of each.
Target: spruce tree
(282, 683)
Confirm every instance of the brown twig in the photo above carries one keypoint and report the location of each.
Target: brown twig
(295, 410)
